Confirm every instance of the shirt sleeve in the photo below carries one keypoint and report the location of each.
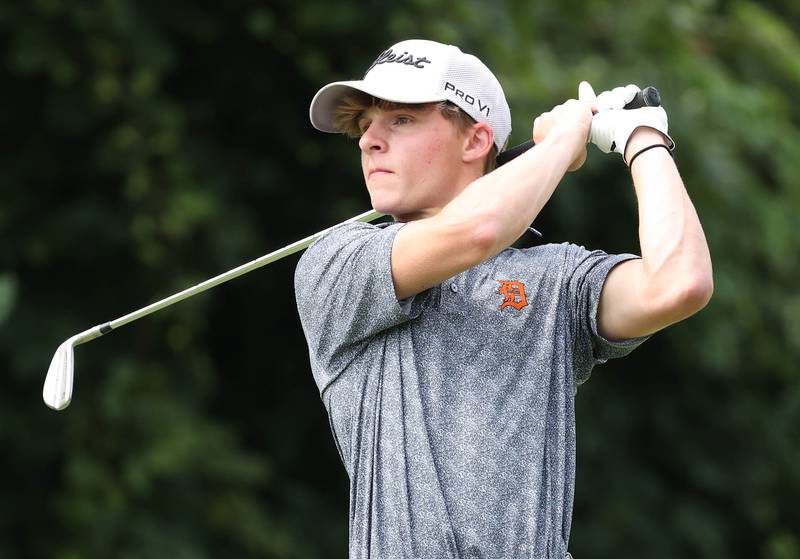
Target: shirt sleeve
(345, 295)
(589, 272)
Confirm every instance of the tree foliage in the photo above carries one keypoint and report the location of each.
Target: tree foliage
(150, 145)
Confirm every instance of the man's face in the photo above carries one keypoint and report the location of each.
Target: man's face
(411, 159)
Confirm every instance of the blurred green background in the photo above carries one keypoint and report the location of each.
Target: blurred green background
(148, 145)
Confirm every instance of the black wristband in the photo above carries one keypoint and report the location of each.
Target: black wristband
(641, 151)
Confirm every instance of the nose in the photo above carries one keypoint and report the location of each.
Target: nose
(373, 139)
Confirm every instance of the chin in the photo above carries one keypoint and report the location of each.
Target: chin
(385, 205)
(387, 209)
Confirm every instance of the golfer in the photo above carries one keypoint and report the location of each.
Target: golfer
(447, 361)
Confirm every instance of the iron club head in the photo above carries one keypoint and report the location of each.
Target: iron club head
(57, 392)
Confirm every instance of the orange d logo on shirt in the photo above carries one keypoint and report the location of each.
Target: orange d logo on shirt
(514, 293)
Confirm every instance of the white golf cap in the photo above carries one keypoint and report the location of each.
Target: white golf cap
(420, 71)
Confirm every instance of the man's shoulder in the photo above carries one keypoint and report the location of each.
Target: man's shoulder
(340, 248)
(338, 237)
(346, 232)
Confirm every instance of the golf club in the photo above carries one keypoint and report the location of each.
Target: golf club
(57, 392)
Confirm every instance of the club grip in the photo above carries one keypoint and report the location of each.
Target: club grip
(648, 97)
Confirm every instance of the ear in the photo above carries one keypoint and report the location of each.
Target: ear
(477, 142)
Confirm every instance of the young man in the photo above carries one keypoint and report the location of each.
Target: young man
(447, 361)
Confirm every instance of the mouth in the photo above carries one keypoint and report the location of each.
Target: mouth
(378, 172)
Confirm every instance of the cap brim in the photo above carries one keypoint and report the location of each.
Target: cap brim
(323, 106)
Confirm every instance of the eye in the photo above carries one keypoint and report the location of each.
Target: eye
(362, 126)
(402, 119)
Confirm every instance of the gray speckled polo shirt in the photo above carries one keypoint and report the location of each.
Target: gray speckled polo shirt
(453, 410)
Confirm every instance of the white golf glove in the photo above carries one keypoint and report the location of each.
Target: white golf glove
(612, 125)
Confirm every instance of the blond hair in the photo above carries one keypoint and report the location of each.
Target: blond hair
(353, 105)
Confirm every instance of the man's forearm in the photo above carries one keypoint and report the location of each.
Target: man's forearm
(509, 198)
(675, 255)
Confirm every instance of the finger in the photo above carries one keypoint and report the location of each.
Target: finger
(535, 135)
(615, 99)
(579, 161)
(606, 100)
(586, 94)
(630, 92)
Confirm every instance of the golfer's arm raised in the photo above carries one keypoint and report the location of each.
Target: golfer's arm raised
(673, 279)
(494, 210)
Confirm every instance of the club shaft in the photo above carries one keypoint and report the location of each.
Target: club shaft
(227, 276)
